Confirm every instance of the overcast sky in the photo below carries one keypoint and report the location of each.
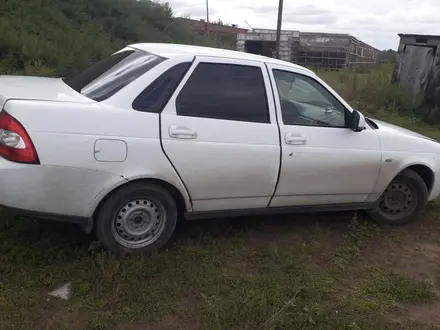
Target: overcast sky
(376, 22)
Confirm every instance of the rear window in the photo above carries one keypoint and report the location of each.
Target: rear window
(108, 76)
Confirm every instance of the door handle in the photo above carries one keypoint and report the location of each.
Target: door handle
(181, 132)
(295, 139)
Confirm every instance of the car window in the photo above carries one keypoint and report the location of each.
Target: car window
(156, 95)
(225, 91)
(108, 76)
(304, 101)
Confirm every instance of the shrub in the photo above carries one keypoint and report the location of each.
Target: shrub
(60, 37)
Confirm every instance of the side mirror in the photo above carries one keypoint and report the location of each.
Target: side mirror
(358, 121)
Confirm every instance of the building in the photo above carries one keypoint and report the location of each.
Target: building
(417, 71)
(263, 42)
(331, 50)
(327, 50)
(220, 30)
(420, 40)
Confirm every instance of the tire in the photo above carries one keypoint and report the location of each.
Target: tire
(137, 219)
(403, 201)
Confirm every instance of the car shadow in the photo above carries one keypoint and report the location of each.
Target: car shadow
(287, 223)
(24, 236)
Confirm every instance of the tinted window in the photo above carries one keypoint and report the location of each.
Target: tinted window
(157, 94)
(106, 77)
(304, 101)
(225, 91)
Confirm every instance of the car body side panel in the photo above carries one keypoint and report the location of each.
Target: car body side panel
(394, 162)
(400, 150)
(229, 164)
(66, 143)
(65, 191)
(330, 165)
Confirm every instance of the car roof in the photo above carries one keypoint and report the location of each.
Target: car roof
(169, 50)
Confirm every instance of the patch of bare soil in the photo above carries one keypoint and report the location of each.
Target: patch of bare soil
(56, 315)
(287, 230)
(419, 259)
(316, 236)
(168, 323)
(186, 320)
(422, 260)
(424, 314)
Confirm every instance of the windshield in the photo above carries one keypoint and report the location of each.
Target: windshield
(108, 76)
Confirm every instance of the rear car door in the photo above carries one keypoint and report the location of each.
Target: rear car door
(323, 161)
(219, 131)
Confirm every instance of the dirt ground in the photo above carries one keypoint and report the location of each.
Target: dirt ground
(313, 271)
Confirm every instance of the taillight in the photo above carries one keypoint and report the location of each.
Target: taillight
(15, 143)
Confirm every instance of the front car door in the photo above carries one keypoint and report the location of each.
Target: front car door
(219, 130)
(323, 161)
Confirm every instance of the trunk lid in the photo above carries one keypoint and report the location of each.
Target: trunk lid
(37, 88)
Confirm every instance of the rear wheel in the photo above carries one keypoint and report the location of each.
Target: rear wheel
(138, 219)
(403, 201)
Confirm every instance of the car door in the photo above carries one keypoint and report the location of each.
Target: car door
(323, 161)
(219, 130)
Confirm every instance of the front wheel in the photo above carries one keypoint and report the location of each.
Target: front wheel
(403, 201)
(137, 219)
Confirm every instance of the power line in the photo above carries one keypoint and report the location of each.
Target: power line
(253, 30)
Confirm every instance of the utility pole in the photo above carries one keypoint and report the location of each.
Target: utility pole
(207, 17)
(280, 19)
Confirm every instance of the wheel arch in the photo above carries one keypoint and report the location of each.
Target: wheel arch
(182, 204)
(425, 172)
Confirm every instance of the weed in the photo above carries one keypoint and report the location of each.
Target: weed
(371, 91)
(395, 287)
(357, 238)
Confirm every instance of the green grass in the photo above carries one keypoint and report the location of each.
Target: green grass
(231, 274)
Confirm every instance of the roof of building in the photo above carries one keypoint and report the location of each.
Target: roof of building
(199, 25)
(327, 34)
(338, 35)
(428, 36)
(170, 50)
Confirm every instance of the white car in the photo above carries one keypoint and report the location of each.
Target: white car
(157, 132)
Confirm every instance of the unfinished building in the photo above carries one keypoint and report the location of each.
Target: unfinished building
(329, 50)
(263, 42)
(325, 50)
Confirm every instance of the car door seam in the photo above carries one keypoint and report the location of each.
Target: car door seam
(279, 136)
(169, 160)
(379, 171)
(161, 140)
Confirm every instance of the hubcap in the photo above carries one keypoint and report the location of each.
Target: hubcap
(398, 201)
(138, 223)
